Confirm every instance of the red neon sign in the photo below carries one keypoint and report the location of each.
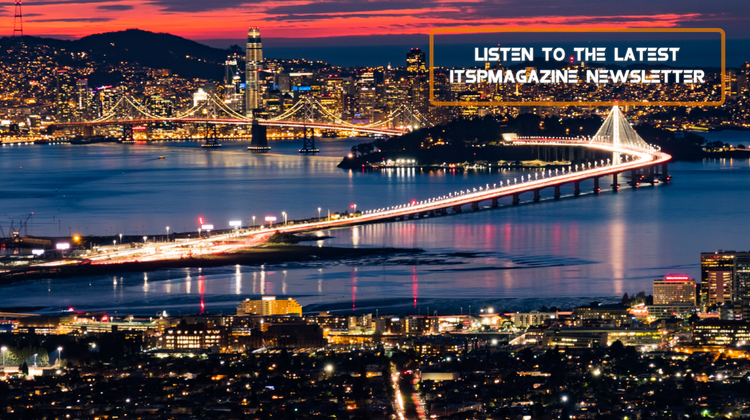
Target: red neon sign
(677, 278)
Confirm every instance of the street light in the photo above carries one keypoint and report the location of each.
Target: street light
(3, 349)
(284, 213)
(35, 359)
(121, 238)
(59, 356)
(167, 233)
(144, 239)
(114, 242)
(318, 213)
(253, 222)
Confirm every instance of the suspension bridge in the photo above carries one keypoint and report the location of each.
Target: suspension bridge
(627, 153)
(213, 114)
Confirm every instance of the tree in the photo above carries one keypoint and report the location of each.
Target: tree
(24, 368)
(625, 298)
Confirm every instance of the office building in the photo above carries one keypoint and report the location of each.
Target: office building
(268, 305)
(193, 336)
(66, 102)
(253, 63)
(721, 260)
(528, 319)
(415, 61)
(674, 289)
(719, 286)
(721, 333)
(616, 314)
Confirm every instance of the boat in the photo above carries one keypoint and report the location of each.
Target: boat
(161, 157)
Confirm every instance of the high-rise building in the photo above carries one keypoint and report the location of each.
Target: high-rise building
(415, 61)
(719, 286)
(721, 260)
(674, 289)
(268, 305)
(253, 63)
(233, 96)
(66, 102)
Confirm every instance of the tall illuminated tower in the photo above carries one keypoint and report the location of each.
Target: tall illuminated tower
(253, 63)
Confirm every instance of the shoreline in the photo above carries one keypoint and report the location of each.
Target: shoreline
(269, 254)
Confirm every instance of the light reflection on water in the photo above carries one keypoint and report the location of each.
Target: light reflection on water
(590, 246)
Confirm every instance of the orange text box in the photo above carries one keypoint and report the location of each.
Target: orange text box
(578, 30)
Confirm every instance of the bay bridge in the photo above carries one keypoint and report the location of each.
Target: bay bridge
(213, 114)
(627, 153)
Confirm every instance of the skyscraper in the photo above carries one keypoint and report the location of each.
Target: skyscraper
(415, 61)
(254, 60)
(66, 102)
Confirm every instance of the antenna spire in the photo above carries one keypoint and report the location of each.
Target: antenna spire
(18, 20)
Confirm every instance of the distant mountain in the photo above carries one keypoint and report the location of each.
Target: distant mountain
(156, 50)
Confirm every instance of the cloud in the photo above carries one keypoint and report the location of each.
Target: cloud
(115, 7)
(201, 5)
(72, 20)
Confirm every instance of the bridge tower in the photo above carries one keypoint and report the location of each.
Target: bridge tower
(212, 130)
(308, 133)
(308, 141)
(212, 136)
(259, 142)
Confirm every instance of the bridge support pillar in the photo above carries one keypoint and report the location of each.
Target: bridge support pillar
(494, 203)
(577, 188)
(615, 185)
(633, 178)
(596, 185)
(127, 133)
(457, 209)
(557, 192)
(516, 199)
(411, 216)
(443, 212)
(432, 213)
(475, 206)
(664, 173)
(87, 130)
(537, 197)
(653, 173)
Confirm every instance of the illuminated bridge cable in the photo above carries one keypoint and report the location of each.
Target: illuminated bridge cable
(617, 130)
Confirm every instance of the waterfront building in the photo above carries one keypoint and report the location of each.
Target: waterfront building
(268, 305)
(674, 289)
(528, 319)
